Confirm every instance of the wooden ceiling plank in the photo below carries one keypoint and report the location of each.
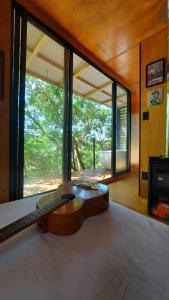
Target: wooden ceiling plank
(42, 41)
(92, 85)
(118, 97)
(99, 89)
(47, 59)
(81, 69)
(61, 68)
(44, 78)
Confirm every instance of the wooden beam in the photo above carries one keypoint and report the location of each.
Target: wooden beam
(61, 68)
(92, 85)
(81, 69)
(36, 75)
(44, 78)
(99, 89)
(42, 41)
(118, 97)
(47, 60)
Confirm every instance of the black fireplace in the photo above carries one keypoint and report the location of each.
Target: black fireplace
(158, 195)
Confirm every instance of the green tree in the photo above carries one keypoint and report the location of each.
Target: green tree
(44, 110)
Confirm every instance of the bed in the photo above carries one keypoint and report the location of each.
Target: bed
(117, 255)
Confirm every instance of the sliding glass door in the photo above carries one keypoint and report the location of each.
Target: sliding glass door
(69, 120)
(44, 107)
(91, 122)
(37, 110)
(121, 131)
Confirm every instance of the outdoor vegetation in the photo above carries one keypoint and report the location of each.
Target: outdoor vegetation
(44, 110)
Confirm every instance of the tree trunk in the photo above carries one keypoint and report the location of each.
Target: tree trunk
(73, 160)
(80, 164)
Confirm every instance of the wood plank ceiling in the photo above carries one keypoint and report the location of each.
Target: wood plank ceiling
(110, 29)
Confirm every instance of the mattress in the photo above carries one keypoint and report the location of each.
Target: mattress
(117, 255)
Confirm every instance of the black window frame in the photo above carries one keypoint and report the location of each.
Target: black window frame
(18, 71)
(127, 169)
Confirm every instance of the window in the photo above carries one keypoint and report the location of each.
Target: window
(91, 122)
(68, 120)
(122, 116)
(44, 110)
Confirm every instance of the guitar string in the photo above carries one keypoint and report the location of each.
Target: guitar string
(22, 220)
(29, 217)
(21, 224)
(27, 220)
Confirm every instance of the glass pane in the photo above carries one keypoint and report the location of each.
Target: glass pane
(121, 130)
(44, 103)
(92, 122)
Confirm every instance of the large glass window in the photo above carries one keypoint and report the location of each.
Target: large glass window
(91, 122)
(44, 105)
(56, 126)
(122, 134)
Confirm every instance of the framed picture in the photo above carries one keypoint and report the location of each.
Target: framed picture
(2, 55)
(155, 73)
(155, 97)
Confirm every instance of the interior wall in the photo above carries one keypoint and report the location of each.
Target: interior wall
(5, 44)
(135, 119)
(153, 131)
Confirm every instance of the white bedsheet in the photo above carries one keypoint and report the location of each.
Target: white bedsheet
(117, 255)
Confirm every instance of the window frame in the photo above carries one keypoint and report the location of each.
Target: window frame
(127, 169)
(16, 138)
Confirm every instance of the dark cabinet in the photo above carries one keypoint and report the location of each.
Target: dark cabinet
(158, 195)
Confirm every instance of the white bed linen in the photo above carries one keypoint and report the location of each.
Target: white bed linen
(117, 255)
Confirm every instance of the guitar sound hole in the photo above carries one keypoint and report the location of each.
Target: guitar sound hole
(68, 196)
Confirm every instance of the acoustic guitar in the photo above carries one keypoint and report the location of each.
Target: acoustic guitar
(87, 199)
(63, 212)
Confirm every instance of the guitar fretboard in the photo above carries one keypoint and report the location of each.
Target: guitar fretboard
(30, 219)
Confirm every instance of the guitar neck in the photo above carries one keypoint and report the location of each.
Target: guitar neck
(30, 219)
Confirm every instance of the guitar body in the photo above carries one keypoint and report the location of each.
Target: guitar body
(89, 199)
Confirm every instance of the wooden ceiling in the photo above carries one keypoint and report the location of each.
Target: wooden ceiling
(110, 29)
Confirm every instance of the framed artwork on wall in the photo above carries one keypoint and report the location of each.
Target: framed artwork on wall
(2, 62)
(155, 72)
(155, 97)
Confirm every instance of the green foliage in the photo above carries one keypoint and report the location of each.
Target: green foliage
(43, 129)
(44, 111)
(90, 120)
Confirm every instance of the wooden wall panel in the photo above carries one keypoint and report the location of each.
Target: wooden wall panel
(135, 119)
(153, 131)
(5, 44)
